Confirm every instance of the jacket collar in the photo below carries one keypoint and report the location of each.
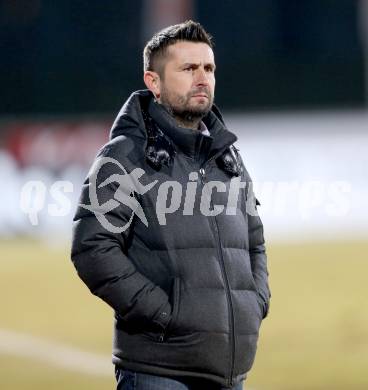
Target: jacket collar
(191, 142)
(130, 122)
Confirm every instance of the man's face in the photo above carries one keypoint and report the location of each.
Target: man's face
(188, 83)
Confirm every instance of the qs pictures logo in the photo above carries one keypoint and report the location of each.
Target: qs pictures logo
(129, 183)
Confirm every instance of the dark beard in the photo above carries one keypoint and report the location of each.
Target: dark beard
(189, 115)
(185, 114)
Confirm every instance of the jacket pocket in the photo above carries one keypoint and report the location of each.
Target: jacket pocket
(259, 300)
(263, 305)
(172, 324)
(175, 304)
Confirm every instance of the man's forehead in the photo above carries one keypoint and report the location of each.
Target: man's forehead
(190, 52)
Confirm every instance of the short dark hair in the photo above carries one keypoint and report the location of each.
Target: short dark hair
(156, 47)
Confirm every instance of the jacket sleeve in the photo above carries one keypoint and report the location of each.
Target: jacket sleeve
(99, 253)
(257, 249)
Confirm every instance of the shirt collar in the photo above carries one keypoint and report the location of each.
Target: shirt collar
(203, 128)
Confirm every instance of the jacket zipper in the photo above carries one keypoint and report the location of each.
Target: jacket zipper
(213, 219)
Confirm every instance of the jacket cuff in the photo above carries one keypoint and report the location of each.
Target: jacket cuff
(163, 316)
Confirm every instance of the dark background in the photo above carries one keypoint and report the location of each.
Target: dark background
(71, 57)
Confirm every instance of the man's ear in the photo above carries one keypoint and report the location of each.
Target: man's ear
(152, 81)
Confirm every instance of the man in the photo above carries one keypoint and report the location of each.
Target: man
(187, 278)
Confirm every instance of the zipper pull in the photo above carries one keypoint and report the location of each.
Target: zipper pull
(202, 173)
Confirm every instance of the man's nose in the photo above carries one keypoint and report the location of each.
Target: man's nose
(201, 77)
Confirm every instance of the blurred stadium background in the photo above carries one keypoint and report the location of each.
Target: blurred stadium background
(292, 83)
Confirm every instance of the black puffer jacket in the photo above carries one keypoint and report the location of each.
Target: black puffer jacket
(189, 291)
